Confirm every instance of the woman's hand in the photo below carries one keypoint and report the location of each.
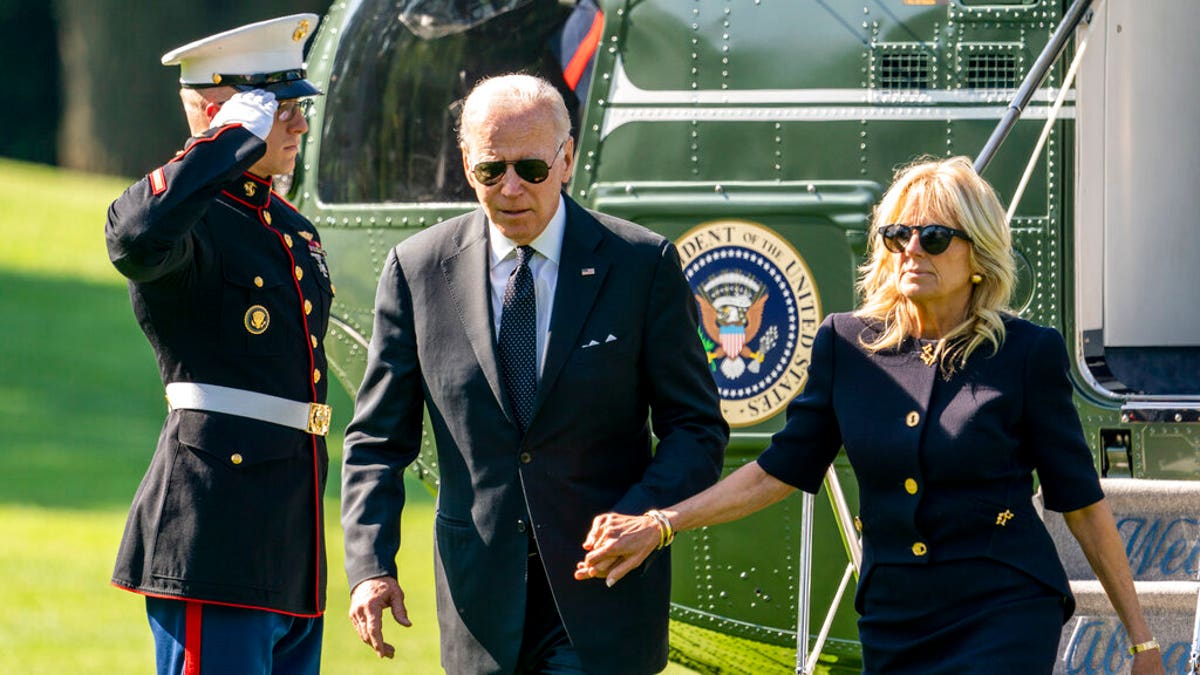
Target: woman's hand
(1147, 663)
(616, 545)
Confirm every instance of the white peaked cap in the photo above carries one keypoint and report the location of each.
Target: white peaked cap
(265, 55)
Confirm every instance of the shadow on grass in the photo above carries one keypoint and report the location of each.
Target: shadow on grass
(81, 404)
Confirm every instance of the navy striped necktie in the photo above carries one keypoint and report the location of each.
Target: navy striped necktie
(517, 343)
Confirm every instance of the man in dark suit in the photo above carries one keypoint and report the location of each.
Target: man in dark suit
(231, 286)
(546, 342)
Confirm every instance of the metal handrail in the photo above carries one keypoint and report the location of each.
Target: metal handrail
(1050, 54)
(806, 659)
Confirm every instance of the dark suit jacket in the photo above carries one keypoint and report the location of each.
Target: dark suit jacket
(939, 461)
(229, 510)
(588, 448)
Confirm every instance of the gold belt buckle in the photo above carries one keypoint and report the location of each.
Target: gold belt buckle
(319, 415)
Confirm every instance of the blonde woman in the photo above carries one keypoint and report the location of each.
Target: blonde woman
(946, 404)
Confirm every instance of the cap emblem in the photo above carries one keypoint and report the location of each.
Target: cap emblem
(301, 31)
(257, 319)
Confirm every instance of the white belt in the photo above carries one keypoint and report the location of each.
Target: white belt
(312, 418)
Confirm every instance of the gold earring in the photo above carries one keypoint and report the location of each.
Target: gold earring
(976, 278)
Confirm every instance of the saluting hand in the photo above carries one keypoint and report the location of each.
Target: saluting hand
(254, 110)
(616, 545)
(366, 611)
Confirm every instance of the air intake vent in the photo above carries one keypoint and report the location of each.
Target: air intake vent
(902, 70)
(995, 70)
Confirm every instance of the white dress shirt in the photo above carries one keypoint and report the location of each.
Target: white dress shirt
(543, 266)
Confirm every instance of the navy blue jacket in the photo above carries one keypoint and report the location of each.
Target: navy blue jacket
(944, 467)
(231, 287)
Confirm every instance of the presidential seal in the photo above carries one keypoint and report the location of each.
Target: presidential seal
(759, 313)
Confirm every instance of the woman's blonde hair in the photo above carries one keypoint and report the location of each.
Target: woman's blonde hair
(947, 192)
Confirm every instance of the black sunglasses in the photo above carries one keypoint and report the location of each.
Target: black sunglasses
(529, 170)
(934, 238)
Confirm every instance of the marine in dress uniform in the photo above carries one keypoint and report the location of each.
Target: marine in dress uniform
(231, 287)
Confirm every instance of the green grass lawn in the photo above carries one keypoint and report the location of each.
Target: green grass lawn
(80, 410)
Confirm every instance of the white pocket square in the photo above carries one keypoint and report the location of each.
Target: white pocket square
(610, 338)
(593, 343)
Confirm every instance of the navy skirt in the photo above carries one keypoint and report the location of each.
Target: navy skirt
(964, 616)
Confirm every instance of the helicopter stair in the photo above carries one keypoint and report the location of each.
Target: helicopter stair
(1159, 522)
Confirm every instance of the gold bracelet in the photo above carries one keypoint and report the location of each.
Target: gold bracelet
(666, 534)
(662, 532)
(1144, 646)
(670, 530)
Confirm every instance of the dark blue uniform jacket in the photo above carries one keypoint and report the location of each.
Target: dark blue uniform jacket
(945, 468)
(230, 285)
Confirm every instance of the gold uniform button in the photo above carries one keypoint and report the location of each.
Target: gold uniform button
(267, 217)
(858, 523)
(910, 486)
(258, 281)
(308, 307)
(919, 549)
(316, 376)
(913, 418)
(236, 458)
(287, 239)
(333, 289)
(314, 340)
(299, 273)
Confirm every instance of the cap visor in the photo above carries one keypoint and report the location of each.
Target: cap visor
(294, 89)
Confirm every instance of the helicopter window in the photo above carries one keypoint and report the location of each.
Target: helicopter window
(397, 83)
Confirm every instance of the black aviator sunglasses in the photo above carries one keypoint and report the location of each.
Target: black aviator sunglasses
(529, 170)
(934, 238)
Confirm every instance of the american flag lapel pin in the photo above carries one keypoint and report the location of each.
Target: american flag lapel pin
(587, 272)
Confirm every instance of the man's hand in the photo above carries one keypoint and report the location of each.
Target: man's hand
(616, 545)
(254, 110)
(366, 611)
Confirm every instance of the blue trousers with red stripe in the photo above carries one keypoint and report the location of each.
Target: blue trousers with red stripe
(191, 638)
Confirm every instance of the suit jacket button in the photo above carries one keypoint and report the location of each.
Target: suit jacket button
(236, 458)
(919, 549)
(525, 457)
(913, 418)
(520, 526)
(910, 486)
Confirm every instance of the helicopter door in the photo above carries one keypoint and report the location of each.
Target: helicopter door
(1138, 209)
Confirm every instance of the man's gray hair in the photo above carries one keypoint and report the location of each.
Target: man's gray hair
(513, 90)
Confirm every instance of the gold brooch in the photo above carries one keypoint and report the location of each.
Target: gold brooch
(927, 356)
(1003, 517)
